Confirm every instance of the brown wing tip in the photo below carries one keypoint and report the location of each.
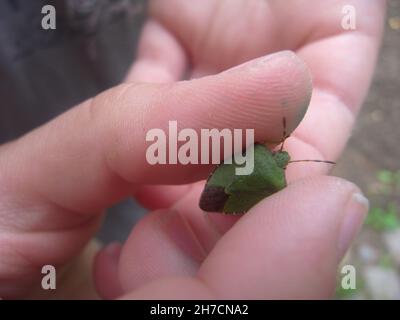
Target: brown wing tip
(213, 199)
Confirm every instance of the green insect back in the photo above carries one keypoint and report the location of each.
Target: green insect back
(227, 192)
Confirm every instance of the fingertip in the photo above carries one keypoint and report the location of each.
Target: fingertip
(105, 271)
(281, 84)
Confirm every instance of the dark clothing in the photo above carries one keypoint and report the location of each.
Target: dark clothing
(45, 72)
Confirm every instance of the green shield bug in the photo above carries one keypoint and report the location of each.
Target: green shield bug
(229, 193)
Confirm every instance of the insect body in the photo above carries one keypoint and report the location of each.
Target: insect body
(234, 194)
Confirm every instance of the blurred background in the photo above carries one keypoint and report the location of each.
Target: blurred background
(42, 74)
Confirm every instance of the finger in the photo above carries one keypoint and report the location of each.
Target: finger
(169, 53)
(94, 154)
(160, 57)
(27, 243)
(159, 196)
(166, 243)
(201, 27)
(172, 288)
(185, 234)
(105, 271)
(341, 62)
(288, 246)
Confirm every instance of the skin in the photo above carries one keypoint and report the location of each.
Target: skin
(56, 181)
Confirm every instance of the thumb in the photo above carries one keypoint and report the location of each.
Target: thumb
(290, 245)
(287, 247)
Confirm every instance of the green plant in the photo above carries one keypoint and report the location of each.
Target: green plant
(389, 182)
(386, 261)
(342, 293)
(386, 218)
(383, 219)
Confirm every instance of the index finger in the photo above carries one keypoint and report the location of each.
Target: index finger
(93, 155)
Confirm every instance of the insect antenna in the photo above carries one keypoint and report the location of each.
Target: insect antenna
(284, 136)
(323, 161)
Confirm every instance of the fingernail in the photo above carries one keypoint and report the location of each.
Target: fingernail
(355, 212)
(257, 62)
(113, 250)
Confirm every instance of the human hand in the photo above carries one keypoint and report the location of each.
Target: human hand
(209, 37)
(56, 181)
